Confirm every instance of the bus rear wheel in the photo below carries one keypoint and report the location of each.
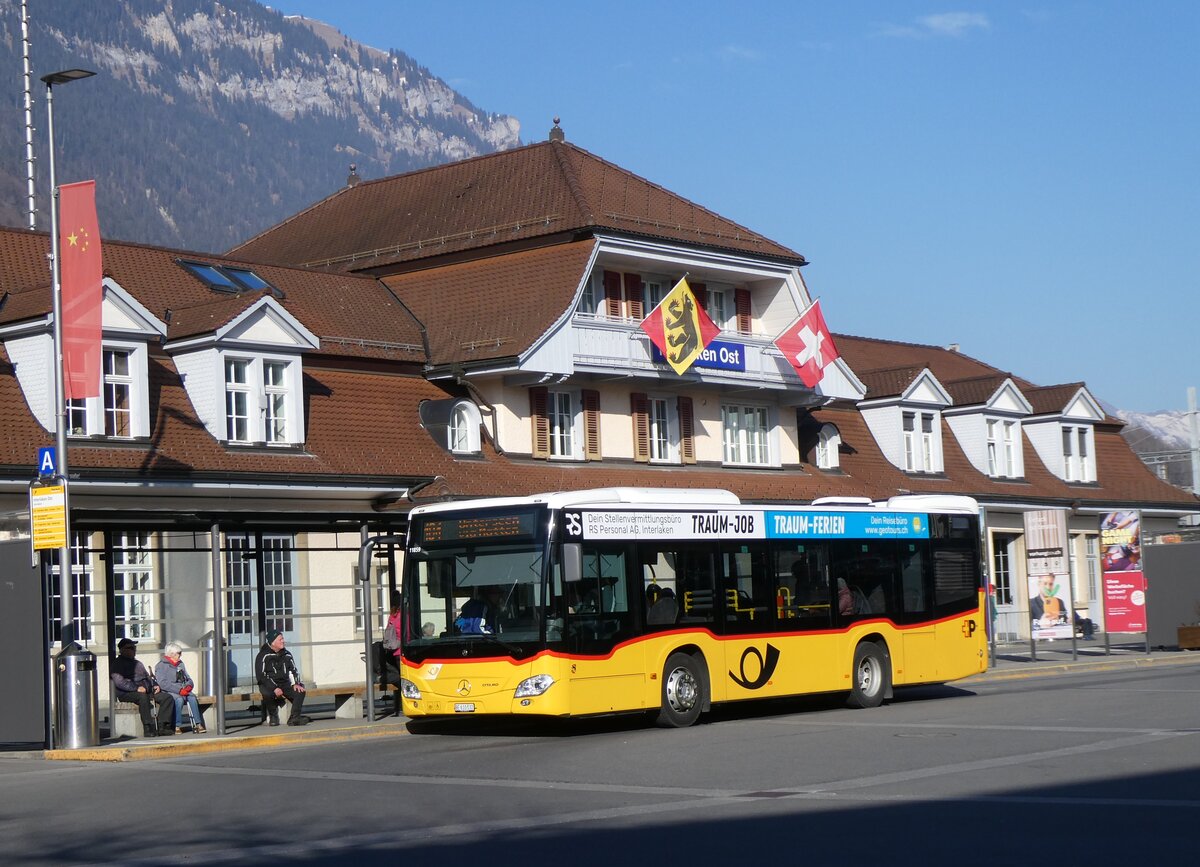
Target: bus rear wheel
(682, 692)
(869, 676)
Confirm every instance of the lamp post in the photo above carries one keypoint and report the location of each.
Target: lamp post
(66, 578)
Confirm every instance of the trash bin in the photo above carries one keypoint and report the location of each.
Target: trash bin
(208, 664)
(77, 722)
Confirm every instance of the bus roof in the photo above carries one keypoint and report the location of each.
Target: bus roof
(702, 498)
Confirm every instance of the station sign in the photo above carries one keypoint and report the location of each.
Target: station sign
(718, 355)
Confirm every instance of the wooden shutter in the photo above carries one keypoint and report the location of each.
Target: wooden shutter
(640, 410)
(633, 295)
(591, 424)
(742, 301)
(612, 294)
(541, 422)
(700, 290)
(687, 431)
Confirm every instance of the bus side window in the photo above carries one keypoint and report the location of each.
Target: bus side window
(747, 592)
(698, 585)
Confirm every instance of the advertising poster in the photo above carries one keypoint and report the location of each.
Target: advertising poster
(1048, 569)
(1124, 581)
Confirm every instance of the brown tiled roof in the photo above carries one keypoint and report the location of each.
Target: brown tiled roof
(1049, 399)
(351, 315)
(208, 316)
(975, 390)
(868, 353)
(496, 307)
(543, 189)
(889, 382)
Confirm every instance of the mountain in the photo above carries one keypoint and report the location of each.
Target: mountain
(1162, 440)
(208, 122)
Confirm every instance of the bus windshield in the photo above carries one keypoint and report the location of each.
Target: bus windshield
(462, 592)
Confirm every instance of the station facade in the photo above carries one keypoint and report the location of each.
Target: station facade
(474, 330)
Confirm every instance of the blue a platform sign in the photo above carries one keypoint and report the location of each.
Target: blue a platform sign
(718, 355)
(47, 465)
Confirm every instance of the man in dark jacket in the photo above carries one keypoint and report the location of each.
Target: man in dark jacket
(134, 684)
(279, 680)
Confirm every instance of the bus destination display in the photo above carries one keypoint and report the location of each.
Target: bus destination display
(478, 528)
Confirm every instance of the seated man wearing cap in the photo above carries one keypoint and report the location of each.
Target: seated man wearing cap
(279, 680)
(135, 685)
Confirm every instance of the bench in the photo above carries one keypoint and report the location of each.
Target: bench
(347, 703)
(346, 699)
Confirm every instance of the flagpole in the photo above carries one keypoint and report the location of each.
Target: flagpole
(66, 577)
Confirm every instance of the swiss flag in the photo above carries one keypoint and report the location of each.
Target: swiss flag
(808, 346)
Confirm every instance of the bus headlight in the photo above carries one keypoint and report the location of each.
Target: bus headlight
(535, 685)
(409, 690)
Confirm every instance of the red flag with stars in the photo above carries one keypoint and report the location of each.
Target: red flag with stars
(808, 346)
(81, 273)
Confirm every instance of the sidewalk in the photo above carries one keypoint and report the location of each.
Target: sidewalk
(1013, 662)
(239, 734)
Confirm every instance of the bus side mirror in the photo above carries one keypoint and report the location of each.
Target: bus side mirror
(572, 557)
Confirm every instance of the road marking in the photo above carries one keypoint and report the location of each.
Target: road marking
(705, 799)
(980, 727)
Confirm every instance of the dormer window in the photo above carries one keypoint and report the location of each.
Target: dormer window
(1077, 462)
(121, 411)
(463, 430)
(260, 401)
(921, 454)
(1002, 448)
(829, 441)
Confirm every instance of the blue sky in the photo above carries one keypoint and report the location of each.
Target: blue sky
(1018, 179)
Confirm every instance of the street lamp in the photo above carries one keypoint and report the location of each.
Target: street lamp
(66, 578)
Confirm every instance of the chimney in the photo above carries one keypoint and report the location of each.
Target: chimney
(556, 133)
(352, 179)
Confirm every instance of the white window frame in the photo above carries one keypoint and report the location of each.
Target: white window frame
(1001, 448)
(134, 596)
(463, 430)
(909, 424)
(746, 435)
(662, 425)
(273, 408)
(1078, 455)
(922, 445)
(829, 442)
(564, 418)
(593, 289)
(81, 581)
(721, 306)
(89, 417)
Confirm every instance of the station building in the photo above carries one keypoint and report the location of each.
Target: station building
(473, 330)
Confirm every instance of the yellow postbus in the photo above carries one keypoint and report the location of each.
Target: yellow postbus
(635, 599)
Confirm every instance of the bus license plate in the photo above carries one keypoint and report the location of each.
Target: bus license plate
(468, 707)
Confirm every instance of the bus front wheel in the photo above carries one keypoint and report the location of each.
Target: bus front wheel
(870, 675)
(682, 692)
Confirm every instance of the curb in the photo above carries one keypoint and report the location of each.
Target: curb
(216, 745)
(1045, 669)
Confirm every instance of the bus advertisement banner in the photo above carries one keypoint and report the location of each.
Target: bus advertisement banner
(741, 524)
(1124, 581)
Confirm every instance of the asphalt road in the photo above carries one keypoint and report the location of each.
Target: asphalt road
(1072, 769)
